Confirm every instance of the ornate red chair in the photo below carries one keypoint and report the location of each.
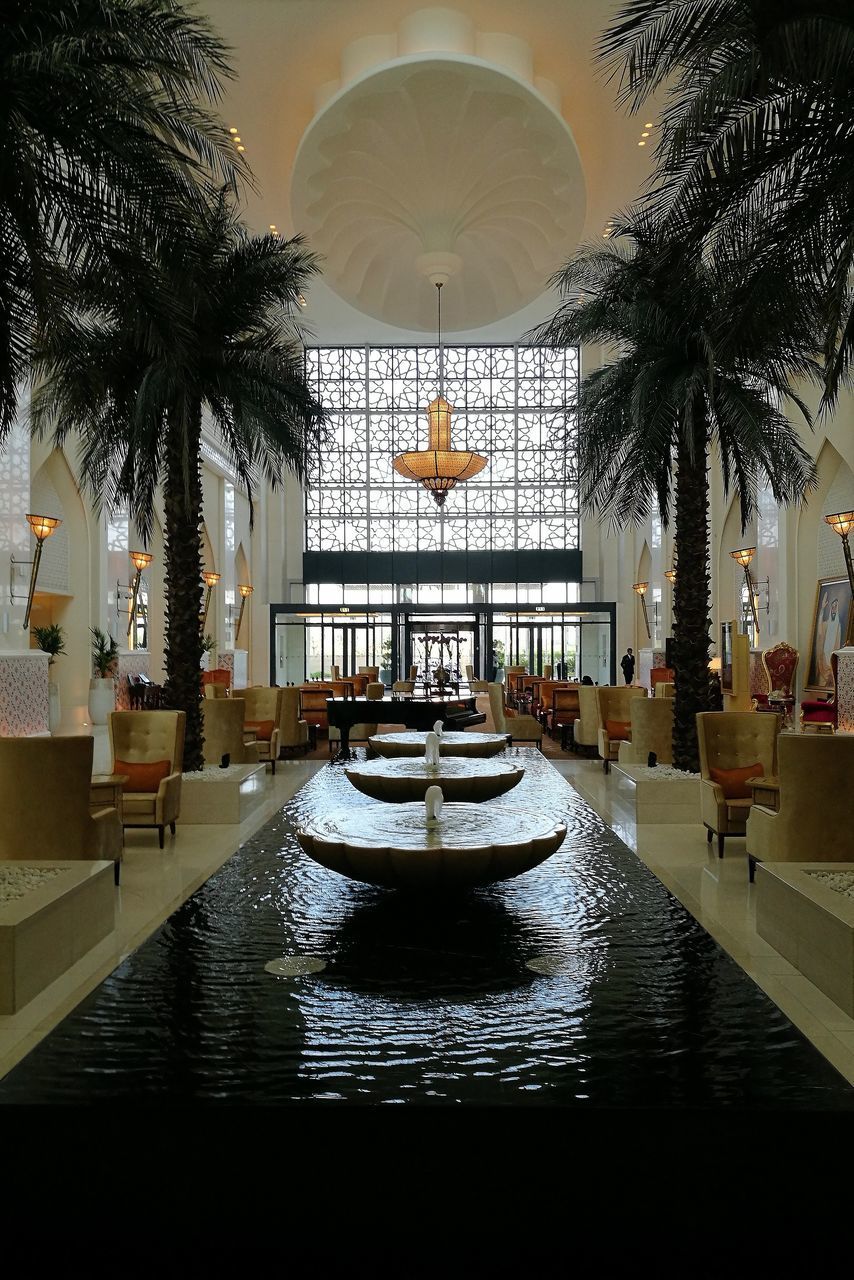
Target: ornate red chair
(819, 715)
(219, 675)
(781, 664)
(661, 675)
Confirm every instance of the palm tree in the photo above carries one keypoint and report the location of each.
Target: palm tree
(760, 125)
(702, 360)
(136, 388)
(103, 134)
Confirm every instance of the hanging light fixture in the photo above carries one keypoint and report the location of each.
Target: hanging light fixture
(439, 467)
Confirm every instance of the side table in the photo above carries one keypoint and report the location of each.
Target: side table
(105, 792)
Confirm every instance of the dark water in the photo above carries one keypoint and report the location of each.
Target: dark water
(428, 999)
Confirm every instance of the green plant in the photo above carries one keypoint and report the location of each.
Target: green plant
(208, 643)
(499, 653)
(51, 640)
(105, 653)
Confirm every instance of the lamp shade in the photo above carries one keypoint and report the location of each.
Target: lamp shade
(670, 575)
(640, 587)
(42, 526)
(744, 555)
(140, 560)
(245, 590)
(210, 579)
(842, 522)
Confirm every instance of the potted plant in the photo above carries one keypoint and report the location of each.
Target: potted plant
(51, 640)
(385, 661)
(102, 686)
(208, 647)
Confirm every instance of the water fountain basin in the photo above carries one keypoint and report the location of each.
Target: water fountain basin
(459, 743)
(407, 778)
(392, 846)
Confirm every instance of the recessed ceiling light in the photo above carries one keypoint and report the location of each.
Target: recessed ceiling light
(640, 144)
(232, 130)
(237, 137)
(243, 148)
(301, 300)
(272, 226)
(644, 135)
(648, 124)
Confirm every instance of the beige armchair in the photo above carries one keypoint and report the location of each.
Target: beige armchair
(613, 706)
(148, 738)
(262, 715)
(44, 800)
(403, 686)
(475, 685)
(732, 740)
(813, 823)
(222, 726)
(665, 689)
(359, 732)
(586, 728)
(652, 730)
(520, 728)
(413, 671)
(215, 691)
(371, 672)
(293, 731)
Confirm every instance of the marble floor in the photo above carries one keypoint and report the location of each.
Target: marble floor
(715, 892)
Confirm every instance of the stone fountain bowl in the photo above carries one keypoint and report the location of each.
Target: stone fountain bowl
(408, 778)
(391, 845)
(412, 743)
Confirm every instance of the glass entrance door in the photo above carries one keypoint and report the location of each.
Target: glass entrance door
(444, 642)
(537, 643)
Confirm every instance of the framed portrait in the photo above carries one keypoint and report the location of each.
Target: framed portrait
(829, 630)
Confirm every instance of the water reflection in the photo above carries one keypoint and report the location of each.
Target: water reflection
(429, 998)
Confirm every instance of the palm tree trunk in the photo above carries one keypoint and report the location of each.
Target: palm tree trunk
(183, 508)
(691, 619)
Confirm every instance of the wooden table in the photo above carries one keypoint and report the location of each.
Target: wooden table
(105, 792)
(766, 791)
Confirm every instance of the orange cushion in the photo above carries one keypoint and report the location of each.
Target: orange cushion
(263, 729)
(509, 713)
(144, 777)
(621, 729)
(733, 782)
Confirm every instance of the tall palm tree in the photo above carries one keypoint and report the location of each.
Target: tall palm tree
(136, 388)
(701, 362)
(103, 133)
(760, 125)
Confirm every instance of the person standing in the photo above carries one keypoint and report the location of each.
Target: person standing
(627, 662)
(493, 665)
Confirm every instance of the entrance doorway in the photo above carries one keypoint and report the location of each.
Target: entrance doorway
(447, 642)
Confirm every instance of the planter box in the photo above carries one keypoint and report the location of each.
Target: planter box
(658, 800)
(222, 795)
(811, 925)
(50, 928)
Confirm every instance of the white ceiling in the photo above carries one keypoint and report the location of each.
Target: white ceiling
(383, 131)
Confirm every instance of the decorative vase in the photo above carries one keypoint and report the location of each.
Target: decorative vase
(54, 713)
(102, 699)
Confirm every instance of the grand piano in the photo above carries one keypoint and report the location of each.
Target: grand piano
(413, 713)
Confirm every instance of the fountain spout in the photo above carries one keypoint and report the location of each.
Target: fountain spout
(438, 727)
(431, 750)
(433, 801)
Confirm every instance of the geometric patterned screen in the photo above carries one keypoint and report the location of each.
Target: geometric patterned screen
(511, 403)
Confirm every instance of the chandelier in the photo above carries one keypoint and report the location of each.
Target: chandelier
(439, 467)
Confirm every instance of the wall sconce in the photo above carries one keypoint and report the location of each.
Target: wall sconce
(641, 589)
(42, 527)
(743, 556)
(140, 560)
(245, 593)
(670, 575)
(210, 580)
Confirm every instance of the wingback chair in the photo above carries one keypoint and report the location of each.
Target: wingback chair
(313, 699)
(548, 668)
(371, 672)
(262, 717)
(219, 675)
(586, 727)
(813, 823)
(564, 707)
(215, 691)
(613, 702)
(413, 671)
(652, 730)
(293, 731)
(781, 665)
(732, 743)
(335, 672)
(359, 732)
(149, 746)
(520, 728)
(222, 725)
(44, 799)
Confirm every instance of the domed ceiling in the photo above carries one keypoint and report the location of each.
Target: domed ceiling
(440, 159)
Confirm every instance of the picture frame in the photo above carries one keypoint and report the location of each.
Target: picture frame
(831, 624)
